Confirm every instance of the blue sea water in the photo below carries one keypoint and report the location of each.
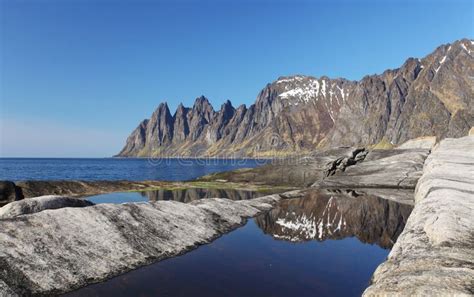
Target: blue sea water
(17, 169)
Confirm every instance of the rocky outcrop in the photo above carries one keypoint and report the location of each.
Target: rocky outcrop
(381, 169)
(425, 143)
(37, 204)
(340, 164)
(320, 215)
(432, 96)
(346, 168)
(55, 251)
(298, 171)
(9, 192)
(434, 255)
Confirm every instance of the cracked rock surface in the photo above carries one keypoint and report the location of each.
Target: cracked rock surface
(434, 255)
(58, 250)
(399, 168)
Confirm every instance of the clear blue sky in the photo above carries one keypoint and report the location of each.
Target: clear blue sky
(78, 76)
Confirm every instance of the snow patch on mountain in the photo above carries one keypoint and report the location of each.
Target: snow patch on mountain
(301, 89)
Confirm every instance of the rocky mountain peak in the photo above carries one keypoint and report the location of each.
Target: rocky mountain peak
(429, 96)
(181, 126)
(227, 110)
(203, 108)
(163, 110)
(180, 107)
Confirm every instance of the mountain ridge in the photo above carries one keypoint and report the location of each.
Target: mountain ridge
(300, 113)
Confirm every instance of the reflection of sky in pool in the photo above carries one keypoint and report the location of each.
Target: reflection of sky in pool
(121, 197)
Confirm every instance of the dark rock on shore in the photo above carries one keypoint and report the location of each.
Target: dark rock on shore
(340, 164)
(9, 192)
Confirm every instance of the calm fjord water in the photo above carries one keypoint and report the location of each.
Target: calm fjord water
(17, 169)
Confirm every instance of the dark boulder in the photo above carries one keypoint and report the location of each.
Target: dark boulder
(9, 192)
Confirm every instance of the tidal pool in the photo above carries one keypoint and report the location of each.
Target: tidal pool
(320, 244)
(181, 195)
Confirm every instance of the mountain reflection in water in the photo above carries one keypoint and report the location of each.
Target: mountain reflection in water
(322, 214)
(318, 243)
(315, 214)
(191, 194)
(181, 195)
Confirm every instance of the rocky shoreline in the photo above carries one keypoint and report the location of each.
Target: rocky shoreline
(78, 188)
(55, 244)
(434, 255)
(55, 251)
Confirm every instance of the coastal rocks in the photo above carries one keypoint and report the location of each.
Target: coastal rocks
(426, 143)
(9, 192)
(297, 171)
(55, 251)
(434, 255)
(340, 164)
(381, 169)
(37, 204)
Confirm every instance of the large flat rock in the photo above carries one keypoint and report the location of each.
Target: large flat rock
(296, 171)
(434, 255)
(398, 168)
(57, 250)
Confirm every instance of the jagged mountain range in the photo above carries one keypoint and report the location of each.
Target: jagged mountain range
(297, 114)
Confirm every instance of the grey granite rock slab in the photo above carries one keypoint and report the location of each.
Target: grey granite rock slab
(59, 250)
(434, 255)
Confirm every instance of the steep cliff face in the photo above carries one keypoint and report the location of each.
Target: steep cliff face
(429, 96)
